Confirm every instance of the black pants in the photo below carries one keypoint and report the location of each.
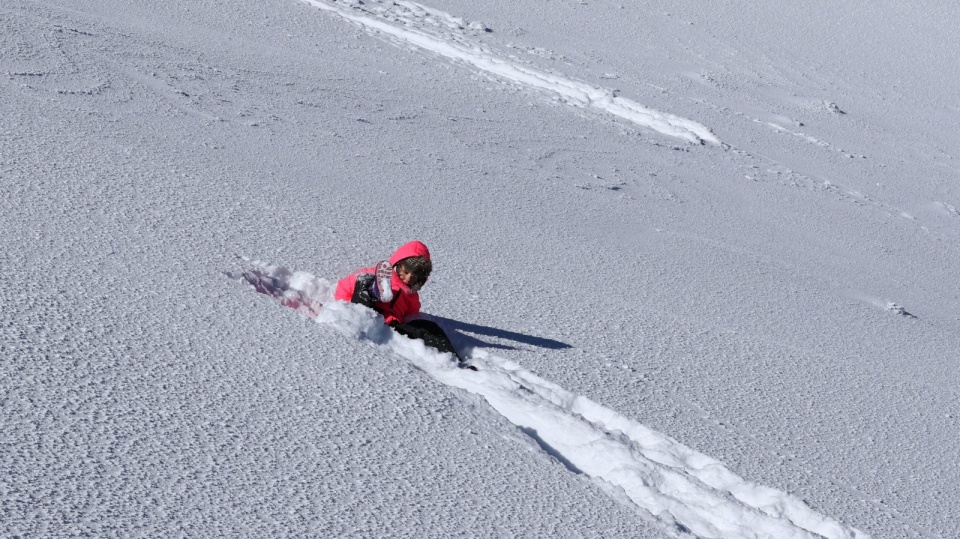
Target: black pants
(430, 333)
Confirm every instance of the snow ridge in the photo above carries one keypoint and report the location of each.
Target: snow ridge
(685, 492)
(444, 35)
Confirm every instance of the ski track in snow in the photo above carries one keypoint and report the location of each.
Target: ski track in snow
(449, 36)
(685, 492)
(444, 35)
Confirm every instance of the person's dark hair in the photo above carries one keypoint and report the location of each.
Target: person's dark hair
(419, 266)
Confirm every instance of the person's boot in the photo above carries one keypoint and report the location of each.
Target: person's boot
(381, 286)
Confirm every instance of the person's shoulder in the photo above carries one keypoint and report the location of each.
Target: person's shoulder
(345, 286)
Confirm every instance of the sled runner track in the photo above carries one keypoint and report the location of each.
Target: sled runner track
(444, 35)
(685, 492)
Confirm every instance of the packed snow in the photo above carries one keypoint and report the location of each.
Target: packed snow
(704, 258)
(452, 43)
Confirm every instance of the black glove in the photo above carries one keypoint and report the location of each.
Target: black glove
(361, 291)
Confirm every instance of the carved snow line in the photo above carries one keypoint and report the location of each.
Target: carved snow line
(672, 480)
(573, 92)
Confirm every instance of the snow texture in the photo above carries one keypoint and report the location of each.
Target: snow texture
(703, 254)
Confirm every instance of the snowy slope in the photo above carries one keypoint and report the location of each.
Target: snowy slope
(728, 230)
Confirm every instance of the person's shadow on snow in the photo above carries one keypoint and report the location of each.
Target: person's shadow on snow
(463, 334)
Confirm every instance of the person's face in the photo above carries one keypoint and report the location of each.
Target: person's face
(410, 278)
(406, 275)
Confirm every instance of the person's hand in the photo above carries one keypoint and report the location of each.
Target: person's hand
(361, 291)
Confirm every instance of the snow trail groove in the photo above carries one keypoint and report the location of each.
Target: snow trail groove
(442, 34)
(682, 490)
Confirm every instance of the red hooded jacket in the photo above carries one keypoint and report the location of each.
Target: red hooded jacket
(406, 303)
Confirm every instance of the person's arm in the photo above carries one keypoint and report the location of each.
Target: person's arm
(346, 286)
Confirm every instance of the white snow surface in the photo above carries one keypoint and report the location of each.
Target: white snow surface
(704, 256)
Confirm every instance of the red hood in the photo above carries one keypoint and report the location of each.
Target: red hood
(413, 248)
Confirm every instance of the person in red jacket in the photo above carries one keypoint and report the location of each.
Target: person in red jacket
(392, 289)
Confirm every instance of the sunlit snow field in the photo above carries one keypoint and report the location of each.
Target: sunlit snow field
(703, 256)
